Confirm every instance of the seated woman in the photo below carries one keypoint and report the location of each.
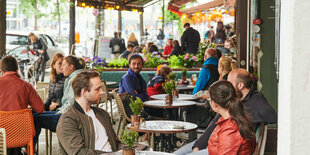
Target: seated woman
(176, 49)
(234, 133)
(57, 80)
(154, 86)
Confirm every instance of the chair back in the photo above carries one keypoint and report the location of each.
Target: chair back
(42, 93)
(120, 106)
(2, 141)
(19, 128)
(105, 94)
(261, 136)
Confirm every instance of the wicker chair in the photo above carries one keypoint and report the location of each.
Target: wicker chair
(106, 97)
(261, 136)
(2, 141)
(121, 110)
(19, 128)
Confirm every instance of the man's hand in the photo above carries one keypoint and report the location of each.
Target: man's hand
(53, 106)
(41, 51)
(195, 149)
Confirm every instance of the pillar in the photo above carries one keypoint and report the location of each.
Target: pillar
(294, 78)
(141, 25)
(119, 20)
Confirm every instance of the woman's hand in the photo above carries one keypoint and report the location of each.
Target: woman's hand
(195, 149)
(204, 97)
(53, 106)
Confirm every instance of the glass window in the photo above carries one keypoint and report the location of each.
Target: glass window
(16, 40)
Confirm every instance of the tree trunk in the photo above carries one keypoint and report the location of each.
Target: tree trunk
(35, 16)
(72, 26)
(2, 26)
(59, 24)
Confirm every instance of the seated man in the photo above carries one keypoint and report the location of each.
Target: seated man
(254, 103)
(132, 82)
(128, 51)
(83, 128)
(15, 93)
(209, 73)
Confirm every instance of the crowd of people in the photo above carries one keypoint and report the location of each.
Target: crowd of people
(86, 129)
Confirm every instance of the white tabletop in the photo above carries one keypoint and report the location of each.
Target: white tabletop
(175, 103)
(185, 97)
(165, 126)
(185, 87)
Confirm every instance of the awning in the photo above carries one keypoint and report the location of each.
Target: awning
(174, 5)
(203, 7)
(129, 5)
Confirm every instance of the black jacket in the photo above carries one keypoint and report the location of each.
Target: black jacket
(40, 45)
(55, 91)
(176, 51)
(255, 104)
(190, 41)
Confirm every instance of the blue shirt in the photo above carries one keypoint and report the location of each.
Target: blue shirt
(204, 74)
(131, 82)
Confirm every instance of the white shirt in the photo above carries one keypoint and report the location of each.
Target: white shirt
(101, 138)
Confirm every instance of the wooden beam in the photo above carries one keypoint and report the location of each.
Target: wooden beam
(2, 26)
(72, 26)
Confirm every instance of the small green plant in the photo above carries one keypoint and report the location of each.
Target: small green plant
(184, 72)
(169, 86)
(172, 76)
(152, 60)
(118, 63)
(136, 105)
(129, 138)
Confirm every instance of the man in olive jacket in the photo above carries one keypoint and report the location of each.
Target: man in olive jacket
(85, 129)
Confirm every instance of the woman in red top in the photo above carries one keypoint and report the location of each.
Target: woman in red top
(234, 133)
(168, 48)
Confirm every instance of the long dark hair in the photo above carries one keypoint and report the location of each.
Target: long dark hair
(224, 94)
(78, 63)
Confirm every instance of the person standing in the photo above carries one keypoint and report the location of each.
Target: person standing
(190, 40)
(115, 46)
(40, 48)
(220, 33)
(133, 40)
(161, 37)
(122, 42)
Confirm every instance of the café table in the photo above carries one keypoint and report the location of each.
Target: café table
(184, 97)
(167, 131)
(176, 104)
(188, 89)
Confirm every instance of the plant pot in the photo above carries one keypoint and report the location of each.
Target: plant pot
(129, 152)
(176, 93)
(135, 121)
(169, 99)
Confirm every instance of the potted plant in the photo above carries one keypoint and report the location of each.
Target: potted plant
(169, 86)
(136, 107)
(184, 75)
(128, 139)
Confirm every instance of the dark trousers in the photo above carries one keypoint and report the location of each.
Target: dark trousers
(41, 70)
(46, 120)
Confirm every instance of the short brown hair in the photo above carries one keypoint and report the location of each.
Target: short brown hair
(82, 80)
(78, 63)
(8, 63)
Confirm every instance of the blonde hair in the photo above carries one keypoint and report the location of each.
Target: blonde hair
(132, 37)
(227, 63)
(31, 34)
(53, 71)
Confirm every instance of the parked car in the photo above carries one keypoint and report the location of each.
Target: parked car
(18, 43)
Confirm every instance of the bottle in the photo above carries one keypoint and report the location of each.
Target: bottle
(194, 79)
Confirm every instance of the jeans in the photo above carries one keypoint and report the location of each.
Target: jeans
(187, 149)
(47, 120)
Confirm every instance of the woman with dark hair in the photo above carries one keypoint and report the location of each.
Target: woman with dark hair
(220, 35)
(57, 80)
(71, 66)
(176, 49)
(234, 133)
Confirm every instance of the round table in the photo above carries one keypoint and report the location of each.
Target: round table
(175, 104)
(164, 127)
(185, 87)
(185, 97)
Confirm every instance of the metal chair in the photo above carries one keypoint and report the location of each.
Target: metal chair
(19, 128)
(2, 141)
(121, 110)
(106, 97)
(261, 136)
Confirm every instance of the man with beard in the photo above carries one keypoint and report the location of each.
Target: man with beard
(254, 103)
(83, 128)
(132, 82)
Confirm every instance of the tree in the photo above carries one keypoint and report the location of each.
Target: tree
(30, 9)
(2, 26)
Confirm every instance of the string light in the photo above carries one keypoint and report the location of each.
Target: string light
(117, 7)
(83, 4)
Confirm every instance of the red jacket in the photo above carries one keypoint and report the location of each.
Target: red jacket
(168, 50)
(16, 94)
(226, 139)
